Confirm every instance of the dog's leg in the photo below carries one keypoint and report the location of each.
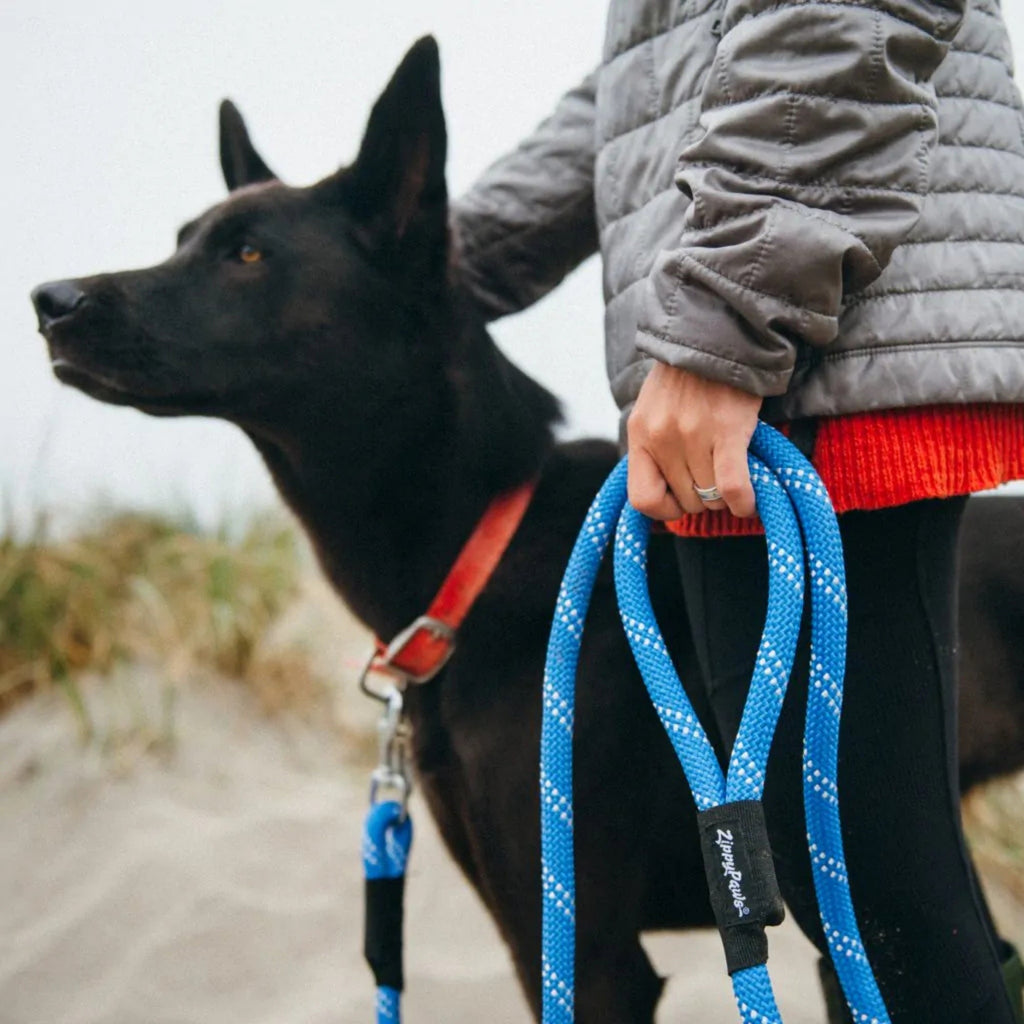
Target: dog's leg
(500, 853)
(616, 983)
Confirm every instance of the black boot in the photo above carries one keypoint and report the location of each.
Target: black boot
(838, 1012)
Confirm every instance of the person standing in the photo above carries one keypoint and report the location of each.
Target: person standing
(813, 213)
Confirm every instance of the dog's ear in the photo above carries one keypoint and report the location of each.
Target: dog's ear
(398, 177)
(239, 161)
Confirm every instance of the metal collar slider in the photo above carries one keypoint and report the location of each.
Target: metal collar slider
(425, 635)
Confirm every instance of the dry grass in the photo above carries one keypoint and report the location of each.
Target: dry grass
(994, 822)
(143, 588)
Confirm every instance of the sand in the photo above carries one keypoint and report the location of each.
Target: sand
(220, 882)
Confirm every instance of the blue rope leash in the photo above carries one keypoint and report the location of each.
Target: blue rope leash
(387, 837)
(788, 490)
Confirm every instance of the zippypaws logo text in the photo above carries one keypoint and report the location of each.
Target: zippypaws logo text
(724, 842)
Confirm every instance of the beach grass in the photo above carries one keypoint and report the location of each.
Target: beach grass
(142, 588)
(994, 823)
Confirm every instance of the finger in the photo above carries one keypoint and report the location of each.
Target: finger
(702, 469)
(680, 483)
(732, 476)
(649, 492)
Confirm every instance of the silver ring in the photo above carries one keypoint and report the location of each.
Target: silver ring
(706, 494)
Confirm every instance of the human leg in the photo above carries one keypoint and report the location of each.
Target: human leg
(923, 920)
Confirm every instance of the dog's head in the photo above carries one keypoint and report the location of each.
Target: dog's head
(277, 289)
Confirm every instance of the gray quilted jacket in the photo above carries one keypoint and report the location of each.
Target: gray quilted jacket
(819, 202)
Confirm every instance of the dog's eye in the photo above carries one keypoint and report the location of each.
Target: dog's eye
(249, 253)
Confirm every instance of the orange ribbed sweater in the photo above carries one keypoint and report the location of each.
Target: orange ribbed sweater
(879, 459)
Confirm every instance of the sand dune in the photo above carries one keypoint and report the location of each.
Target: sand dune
(221, 883)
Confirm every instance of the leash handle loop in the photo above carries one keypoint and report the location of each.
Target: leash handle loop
(558, 966)
(798, 518)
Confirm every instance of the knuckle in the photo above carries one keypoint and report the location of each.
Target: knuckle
(643, 505)
(732, 489)
(655, 509)
(692, 504)
(743, 505)
(662, 430)
(689, 428)
(643, 499)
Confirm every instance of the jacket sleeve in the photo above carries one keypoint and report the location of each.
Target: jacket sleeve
(819, 125)
(530, 218)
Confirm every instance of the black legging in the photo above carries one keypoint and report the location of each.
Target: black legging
(923, 920)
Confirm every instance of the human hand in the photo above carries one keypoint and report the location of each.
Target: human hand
(686, 430)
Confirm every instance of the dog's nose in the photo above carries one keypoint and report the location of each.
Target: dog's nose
(55, 300)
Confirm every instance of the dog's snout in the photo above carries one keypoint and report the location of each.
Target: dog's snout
(56, 300)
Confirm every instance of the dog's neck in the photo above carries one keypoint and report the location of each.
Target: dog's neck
(389, 511)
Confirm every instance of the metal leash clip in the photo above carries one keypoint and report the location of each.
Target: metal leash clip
(392, 775)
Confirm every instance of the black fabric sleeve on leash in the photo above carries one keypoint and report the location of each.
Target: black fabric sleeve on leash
(741, 880)
(382, 936)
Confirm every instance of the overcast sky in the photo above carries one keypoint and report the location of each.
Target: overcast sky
(111, 109)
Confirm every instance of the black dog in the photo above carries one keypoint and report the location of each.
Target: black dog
(330, 325)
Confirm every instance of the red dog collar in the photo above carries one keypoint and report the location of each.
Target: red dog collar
(420, 650)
